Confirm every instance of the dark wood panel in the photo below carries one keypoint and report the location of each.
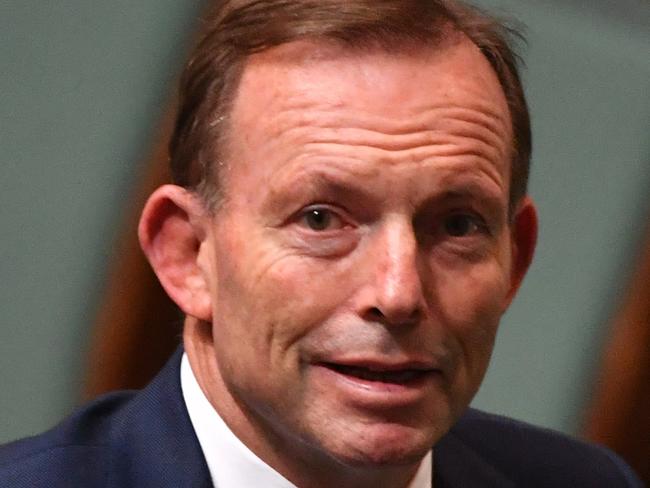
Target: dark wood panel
(137, 325)
(619, 416)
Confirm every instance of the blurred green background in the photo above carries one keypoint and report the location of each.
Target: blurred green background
(83, 85)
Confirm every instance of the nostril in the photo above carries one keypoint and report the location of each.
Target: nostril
(375, 312)
(395, 317)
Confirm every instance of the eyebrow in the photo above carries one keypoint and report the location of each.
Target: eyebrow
(473, 192)
(318, 181)
(349, 191)
(336, 183)
(495, 206)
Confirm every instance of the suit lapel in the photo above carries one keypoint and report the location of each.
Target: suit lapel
(154, 442)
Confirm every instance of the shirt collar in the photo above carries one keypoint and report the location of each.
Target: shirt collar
(231, 463)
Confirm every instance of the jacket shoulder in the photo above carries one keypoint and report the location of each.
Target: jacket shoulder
(143, 439)
(74, 453)
(539, 457)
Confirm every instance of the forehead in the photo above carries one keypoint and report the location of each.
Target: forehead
(325, 73)
(370, 98)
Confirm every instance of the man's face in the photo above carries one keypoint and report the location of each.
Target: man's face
(362, 259)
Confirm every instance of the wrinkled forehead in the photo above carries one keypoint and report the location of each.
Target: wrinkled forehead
(386, 83)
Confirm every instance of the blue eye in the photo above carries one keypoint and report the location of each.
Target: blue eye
(462, 225)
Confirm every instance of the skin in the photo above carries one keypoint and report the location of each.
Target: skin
(365, 224)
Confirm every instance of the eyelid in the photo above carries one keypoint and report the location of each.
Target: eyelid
(477, 216)
(482, 227)
(435, 226)
(478, 219)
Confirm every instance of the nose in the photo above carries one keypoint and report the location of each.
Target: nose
(397, 285)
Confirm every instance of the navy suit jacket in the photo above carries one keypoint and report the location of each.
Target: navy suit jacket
(145, 439)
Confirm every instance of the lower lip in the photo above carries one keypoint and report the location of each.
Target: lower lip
(377, 393)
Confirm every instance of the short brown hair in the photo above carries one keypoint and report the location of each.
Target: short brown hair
(235, 29)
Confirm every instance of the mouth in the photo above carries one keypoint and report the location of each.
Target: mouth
(377, 374)
(379, 385)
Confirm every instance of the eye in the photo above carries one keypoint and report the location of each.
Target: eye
(463, 225)
(320, 219)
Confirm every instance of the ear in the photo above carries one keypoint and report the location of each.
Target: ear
(523, 236)
(171, 233)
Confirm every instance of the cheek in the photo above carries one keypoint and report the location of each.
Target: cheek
(268, 299)
(465, 295)
(302, 293)
(471, 303)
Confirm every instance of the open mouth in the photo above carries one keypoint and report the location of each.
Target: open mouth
(401, 376)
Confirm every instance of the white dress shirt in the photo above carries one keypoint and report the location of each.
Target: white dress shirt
(231, 463)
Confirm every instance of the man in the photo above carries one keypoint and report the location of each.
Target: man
(348, 224)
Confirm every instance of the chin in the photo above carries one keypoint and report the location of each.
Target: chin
(385, 445)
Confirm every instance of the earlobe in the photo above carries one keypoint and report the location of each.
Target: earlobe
(524, 240)
(171, 235)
